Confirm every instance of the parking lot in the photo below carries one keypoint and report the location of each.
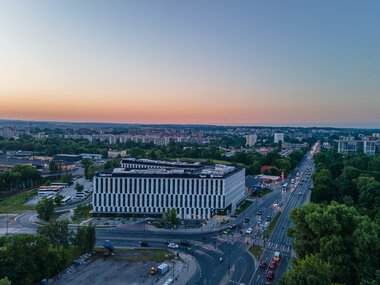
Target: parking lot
(127, 268)
(68, 191)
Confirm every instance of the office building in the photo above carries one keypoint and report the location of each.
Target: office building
(278, 137)
(149, 187)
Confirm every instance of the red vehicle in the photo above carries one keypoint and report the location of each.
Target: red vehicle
(263, 264)
(270, 275)
(272, 265)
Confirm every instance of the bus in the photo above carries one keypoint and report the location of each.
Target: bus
(60, 184)
(49, 190)
(66, 200)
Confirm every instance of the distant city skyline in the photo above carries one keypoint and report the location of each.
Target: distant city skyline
(289, 63)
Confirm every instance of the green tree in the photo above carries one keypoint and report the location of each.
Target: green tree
(57, 233)
(24, 258)
(338, 235)
(5, 281)
(53, 166)
(88, 166)
(170, 216)
(310, 270)
(85, 238)
(67, 178)
(45, 208)
(79, 187)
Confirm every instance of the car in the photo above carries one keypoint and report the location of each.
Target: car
(246, 220)
(272, 265)
(153, 270)
(263, 264)
(268, 218)
(299, 193)
(268, 282)
(144, 244)
(277, 256)
(232, 226)
(270, 275)
(259, 213)
(249, 231)
(172, 245)
(280, 203)
(185, 243)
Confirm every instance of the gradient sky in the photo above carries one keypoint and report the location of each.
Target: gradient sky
(214, 62)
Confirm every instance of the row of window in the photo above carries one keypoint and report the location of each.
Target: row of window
(183, 213)
(159, 186)
(172, 201)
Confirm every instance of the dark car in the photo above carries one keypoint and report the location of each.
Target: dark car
(246, 220)
(268, 218)
(185, 243)
(263, 264)
(232, 227)
(144, 244)
(272, 265)
(280, 204)
(270, 275)
(259, 213)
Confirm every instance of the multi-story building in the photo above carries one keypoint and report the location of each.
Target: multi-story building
(278, 137)
(348, 145)
(149, 187)
(250, 140)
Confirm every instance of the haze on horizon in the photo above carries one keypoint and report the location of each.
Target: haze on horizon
(191, 62)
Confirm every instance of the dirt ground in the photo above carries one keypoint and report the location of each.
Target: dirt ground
(118, 269)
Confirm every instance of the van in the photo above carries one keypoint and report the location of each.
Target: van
(277, 256)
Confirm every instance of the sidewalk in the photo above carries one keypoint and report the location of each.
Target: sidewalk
(185, 270)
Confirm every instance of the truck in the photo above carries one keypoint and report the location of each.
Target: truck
(163, 268)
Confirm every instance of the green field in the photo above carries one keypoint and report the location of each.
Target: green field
(256, 250)
(15, 204)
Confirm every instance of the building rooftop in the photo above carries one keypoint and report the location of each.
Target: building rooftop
(180, 169)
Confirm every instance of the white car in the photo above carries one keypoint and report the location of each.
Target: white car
(172, 245)
(248, 231)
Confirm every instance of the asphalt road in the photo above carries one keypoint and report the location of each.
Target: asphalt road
(278, 240)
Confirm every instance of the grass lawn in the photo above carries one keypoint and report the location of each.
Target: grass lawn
(256, 250)
(270, 229)
(242, 207)
(15, 203)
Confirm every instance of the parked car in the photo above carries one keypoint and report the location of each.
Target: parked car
(272, 265)
(268, 218)
(259, 213)
(172, 245)
(249, 231)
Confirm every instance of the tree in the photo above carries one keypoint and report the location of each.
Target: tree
(85, 238)
(57, 233)
(79, 187)
(5, 281)
(170, 215)
(67, 178)
(58, 200)
(45, 209)
(310, 270)
(88, 168)
(340, 236)
(24, 258)
(53, 166)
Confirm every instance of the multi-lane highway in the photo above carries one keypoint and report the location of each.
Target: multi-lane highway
(298, 194)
